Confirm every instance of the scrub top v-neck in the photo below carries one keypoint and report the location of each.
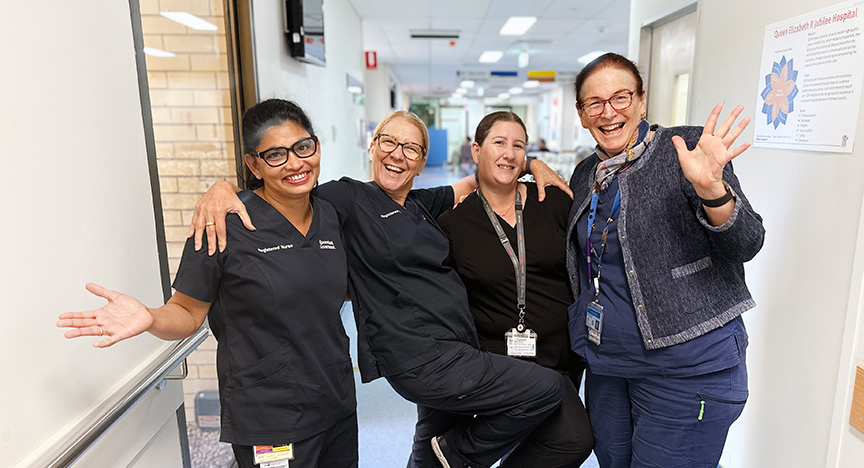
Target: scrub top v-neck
(282, 361)
(406, 297)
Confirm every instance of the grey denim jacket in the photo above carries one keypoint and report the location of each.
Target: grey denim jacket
(686, 277)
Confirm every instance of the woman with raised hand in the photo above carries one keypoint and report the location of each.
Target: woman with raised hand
(657, 238)
(413, 321)
(509, 250)
(272, 300)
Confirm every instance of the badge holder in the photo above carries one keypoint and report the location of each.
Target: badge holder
(521, 341)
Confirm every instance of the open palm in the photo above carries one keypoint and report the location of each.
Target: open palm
(703, 166)
(121, 318)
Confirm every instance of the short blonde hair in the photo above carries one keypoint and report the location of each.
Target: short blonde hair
(411, 118)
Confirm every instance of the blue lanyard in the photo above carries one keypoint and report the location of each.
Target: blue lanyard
(595, 195)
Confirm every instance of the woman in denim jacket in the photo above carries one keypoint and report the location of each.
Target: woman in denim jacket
(665, 224)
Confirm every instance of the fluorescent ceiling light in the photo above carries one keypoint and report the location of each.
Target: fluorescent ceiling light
(355, 90)
(503, 96)
(517, 25)
(189, 20)
(516, 90)
(590, 56)
(467, 84)
(491, 56)
(531, 84)
(481, 92)
(157, 52)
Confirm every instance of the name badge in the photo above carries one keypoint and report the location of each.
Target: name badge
(272, 456)
(522, 344)
(594, 321)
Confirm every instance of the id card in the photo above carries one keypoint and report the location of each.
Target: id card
(594, 321)
(272, 456)
(521, 344)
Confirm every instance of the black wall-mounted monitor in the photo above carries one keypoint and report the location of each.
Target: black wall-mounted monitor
(304, 30)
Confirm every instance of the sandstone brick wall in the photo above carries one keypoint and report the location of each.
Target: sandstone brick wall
(192, 123)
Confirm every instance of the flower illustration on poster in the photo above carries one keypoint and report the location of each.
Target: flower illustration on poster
(780, 90)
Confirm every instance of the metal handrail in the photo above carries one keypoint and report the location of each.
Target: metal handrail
(154, 376)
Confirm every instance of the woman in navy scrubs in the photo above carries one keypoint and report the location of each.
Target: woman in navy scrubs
(272, 300)
(657, 239)
(502, 296)
(414, 325)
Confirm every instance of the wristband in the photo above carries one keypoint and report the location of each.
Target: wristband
(717, 202)
(528, 163)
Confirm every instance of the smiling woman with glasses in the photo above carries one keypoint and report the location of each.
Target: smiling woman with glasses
(660, 329)
(280, 383)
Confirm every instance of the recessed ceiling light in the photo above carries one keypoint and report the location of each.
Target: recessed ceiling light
(517, 25)
(590, 56)
(189, 20)
(157, 52)
(491, 56)
(461, 90)
(531, 84)
(503, 96)
(467, 84)
(516, 90)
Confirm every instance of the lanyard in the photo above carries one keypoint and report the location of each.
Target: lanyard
(595, 195)
(518, 262)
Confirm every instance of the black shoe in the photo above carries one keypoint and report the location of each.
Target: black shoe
(446, 456)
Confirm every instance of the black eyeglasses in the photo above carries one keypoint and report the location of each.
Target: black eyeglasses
(388, 144)
(594, 107)
(275, 157)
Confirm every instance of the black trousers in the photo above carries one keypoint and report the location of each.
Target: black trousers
(334, 448)
(484, 404)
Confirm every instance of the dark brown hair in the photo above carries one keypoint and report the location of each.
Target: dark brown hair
(608, 60)
(501, 116)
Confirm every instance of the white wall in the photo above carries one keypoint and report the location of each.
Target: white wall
(321, 91)
(807, 279)
(376, 85)
(77, 208)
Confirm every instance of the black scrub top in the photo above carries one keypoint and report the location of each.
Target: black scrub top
(406, 297)
(282, 361)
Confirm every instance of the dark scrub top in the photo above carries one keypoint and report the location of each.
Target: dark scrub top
(621, 353)
(490, 279)
(406, 297)
(283, 364)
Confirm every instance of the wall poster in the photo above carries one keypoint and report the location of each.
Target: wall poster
(810, 81)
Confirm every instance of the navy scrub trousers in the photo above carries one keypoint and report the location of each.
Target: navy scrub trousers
(663, 422)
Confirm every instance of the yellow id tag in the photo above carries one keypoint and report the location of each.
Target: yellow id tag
(272, 453)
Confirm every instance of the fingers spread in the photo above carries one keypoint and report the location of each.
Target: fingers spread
(727, 124)
(101, 291)
(712, 120)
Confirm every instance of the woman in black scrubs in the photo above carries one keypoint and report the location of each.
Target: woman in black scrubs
(535, 235)
(414, 325)
(272, 300)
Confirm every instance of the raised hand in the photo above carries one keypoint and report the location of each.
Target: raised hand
(209, 216)
(122, 317)
(703, 166)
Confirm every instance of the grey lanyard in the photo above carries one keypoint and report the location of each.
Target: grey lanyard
(518, 262)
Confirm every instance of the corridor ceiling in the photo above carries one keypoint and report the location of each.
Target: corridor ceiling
(565, 30)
